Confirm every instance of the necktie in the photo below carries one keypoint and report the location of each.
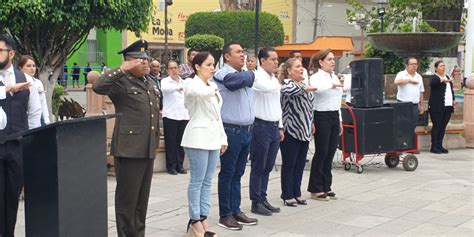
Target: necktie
(7, 80)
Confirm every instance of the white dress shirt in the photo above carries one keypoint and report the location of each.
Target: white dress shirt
(205, 129)
(305, 76)
(326, 97)
(42, 96)
(34, 105)
(409, 92)
(267, 97)
(3, 116)
(173, 99)
(448, 95)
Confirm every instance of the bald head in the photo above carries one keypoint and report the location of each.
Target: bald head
(155, 67)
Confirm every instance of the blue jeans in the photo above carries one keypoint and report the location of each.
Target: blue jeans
(263, 152)
(232, 168)
(202, 166)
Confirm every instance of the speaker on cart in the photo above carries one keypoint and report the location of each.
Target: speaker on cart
(374, 128)
(403, 134)
(367, 83)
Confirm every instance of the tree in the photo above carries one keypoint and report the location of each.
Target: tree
(236, 26)
(52, 30)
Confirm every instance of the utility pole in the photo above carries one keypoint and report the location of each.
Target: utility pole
(316, 10)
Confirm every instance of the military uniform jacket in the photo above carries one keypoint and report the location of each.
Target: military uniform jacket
(136, 132)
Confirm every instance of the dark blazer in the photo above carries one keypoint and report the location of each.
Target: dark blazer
(438, 89)
(16, 108)
(136, 132)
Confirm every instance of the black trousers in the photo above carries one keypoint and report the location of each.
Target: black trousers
(440, 121)
(173, 130)
(11, 181)
(293, 156)
(326, 140)
(131, 195)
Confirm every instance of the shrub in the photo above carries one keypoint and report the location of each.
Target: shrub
(237, 26)
(210, 43)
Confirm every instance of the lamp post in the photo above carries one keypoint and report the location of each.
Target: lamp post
(257, 26)
(381, 4)
(166, 56)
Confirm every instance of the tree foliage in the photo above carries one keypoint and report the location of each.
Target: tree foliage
(237, 26)
(52, 30)
(398, 18)
(210, 43)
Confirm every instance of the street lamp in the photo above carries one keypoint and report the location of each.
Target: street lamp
(166, 56)
(360, 21)
(381, 4)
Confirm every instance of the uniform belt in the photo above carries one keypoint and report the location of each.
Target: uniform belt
(240, 127)
(273, 123)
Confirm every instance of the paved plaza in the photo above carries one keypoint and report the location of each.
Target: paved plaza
(435, 200)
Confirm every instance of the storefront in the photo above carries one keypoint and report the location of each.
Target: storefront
(179, 12)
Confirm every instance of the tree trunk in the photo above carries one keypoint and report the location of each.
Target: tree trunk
(49, 81)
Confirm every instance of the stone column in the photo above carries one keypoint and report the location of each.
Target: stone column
(95, 102)
(469, 111)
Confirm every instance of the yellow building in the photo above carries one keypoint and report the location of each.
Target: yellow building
(179, 12)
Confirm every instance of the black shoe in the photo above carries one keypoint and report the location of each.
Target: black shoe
(242, 219)
(443, 150)
(229, 223)
(182, 171)
(301, 201)
(270, 207)
(436, 150)
(260, 209)
(172, 172)
(289, 204)
(331, 195)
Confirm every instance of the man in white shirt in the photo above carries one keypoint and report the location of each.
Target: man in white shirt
(267, 132)
(15, 104)
(410, 88)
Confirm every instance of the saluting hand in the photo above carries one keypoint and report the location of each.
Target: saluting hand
(130, 64)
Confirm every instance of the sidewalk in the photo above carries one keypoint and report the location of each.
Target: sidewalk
(436, 199)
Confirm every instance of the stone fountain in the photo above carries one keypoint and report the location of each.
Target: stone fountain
(416, 44)
(421, 44)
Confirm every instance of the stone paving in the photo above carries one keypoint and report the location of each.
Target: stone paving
(435, 200)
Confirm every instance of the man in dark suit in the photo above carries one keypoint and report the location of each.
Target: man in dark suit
(136, 135)
(14, 97)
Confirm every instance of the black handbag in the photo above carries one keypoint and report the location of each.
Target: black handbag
(423, 119)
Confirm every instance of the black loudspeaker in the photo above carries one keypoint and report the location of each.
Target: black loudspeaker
(403, 134)
(367, 83)
(374, 128)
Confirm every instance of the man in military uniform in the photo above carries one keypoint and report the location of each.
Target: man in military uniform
(135, 137)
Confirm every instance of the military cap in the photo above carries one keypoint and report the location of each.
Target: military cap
(136, 50)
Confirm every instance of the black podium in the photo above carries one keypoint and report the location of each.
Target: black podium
(65, 173)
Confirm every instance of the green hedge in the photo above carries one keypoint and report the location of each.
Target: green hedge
(237, 26)
(210, 43)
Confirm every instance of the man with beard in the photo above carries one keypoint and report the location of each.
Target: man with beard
(136, 135)
(16, 104)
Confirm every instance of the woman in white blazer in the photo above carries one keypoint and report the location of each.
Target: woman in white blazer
(204, 140)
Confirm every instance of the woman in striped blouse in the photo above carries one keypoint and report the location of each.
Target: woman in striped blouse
(296, 100)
